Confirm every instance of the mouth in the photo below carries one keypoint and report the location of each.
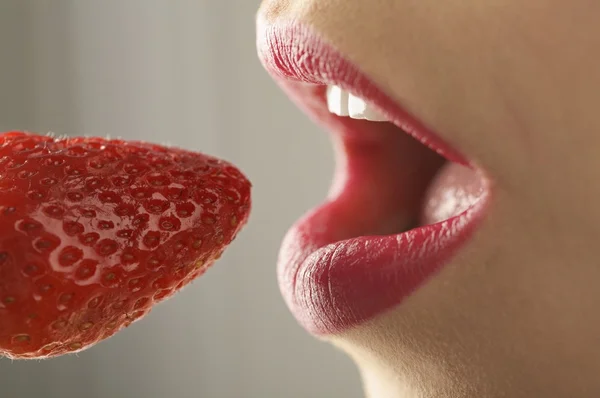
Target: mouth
(402, 202)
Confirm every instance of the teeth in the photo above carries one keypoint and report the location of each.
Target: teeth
(337, 101)
(359, 109)
(342, 103)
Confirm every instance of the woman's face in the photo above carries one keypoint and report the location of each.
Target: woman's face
(514, 87)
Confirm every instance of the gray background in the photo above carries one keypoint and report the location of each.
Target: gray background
(185, 73)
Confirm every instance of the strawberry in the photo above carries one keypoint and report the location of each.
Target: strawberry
(94, 232)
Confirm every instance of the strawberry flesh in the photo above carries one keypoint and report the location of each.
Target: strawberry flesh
(94, 232)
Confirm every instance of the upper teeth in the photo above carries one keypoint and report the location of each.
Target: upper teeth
(342, 103)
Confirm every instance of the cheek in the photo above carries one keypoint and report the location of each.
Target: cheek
(500, 80)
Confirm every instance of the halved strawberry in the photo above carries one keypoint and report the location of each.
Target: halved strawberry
(94, 232)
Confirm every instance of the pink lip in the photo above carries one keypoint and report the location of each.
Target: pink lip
(333, 276)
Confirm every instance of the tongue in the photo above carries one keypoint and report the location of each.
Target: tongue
(453, 190)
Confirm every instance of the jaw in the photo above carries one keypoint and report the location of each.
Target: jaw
(498, 321)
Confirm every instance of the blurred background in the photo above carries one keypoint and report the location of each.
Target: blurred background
(182, 72)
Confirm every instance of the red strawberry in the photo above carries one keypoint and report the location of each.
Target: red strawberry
(94, 232)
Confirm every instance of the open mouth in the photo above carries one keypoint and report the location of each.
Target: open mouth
(401, 204)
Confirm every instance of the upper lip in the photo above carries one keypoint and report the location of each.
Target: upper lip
(331, 275)
(293, 53)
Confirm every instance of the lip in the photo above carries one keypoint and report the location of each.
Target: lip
(330, 279)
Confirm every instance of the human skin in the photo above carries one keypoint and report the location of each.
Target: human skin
(515, 86)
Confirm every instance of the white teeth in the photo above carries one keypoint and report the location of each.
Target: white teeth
(337, 101)
(359, 109)
(342, 103)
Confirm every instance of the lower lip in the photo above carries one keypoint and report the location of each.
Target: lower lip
(329, 284)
